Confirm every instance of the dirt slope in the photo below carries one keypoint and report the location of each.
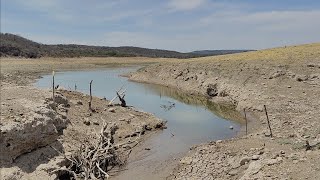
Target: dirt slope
(286, 80)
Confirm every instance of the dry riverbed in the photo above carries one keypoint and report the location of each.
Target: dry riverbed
(36, 136)
(286, 80)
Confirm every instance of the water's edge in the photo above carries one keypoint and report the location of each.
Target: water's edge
(178, 96)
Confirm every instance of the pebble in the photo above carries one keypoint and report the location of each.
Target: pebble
(79, 103)
(231, 127)
(219, 141)
(279, 159)
(112, 110)
(86, 122)
(255, 157)
(233, 172)
(271, 162)
(244, 160)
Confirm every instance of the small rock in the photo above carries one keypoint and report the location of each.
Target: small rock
(147, 128)
(186, 160)
(244, 160)
(282, 152)
(255, 157)
(127, 147)
(86, 122)
(231, 127)
(113, 110)
(219, 141)
(148, 149)
(233, 172)
(279, 159)
(289, 86)
(271, 162)
(79, 103)
(260, 152)
(266, 134)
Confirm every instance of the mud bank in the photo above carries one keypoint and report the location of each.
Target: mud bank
(286, 80)
(36, 135)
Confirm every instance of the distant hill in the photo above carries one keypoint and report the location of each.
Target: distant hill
(217, 52)
(16, 46)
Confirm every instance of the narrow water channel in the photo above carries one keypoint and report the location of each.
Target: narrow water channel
(190, 120)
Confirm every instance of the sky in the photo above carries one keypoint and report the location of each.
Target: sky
(181, 25)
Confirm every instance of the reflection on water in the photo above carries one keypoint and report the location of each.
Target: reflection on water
(191, 119)
(224, 111)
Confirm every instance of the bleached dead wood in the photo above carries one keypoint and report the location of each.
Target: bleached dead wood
(95, 158)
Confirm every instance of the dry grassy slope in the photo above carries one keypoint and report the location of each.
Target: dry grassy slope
(286, 79)
(300, 52)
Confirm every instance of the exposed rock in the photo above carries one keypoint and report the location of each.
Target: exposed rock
(244, 160)
(271, 162)
(233, 172)
(79, 103)
(113, 110)
(254, 168)
(87, 122)
(39, 130)
(277, 74)
(212, 90)
(255, 157)
(59, 99)
(301, 77)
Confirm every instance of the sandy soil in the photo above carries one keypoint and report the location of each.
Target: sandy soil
(286, 80)
(35, 136)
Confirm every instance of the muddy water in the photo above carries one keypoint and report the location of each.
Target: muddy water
(190, 120)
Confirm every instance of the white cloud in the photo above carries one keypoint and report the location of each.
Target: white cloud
(183, 5)
(275, 21)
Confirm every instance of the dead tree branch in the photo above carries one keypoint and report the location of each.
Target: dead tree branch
(123, 102)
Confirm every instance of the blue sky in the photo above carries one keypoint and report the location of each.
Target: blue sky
(182, 25)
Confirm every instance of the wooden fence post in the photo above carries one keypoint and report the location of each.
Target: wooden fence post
(53, 88)
(265, 108)
(245, 117)
(90, 102)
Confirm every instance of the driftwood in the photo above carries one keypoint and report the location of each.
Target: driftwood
(120, 91)
(94, 159)
(121, 98)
